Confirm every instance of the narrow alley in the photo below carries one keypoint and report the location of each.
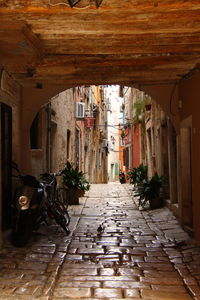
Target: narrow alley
(136, 255)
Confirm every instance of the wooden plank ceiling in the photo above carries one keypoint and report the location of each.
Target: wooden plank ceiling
(122, 42)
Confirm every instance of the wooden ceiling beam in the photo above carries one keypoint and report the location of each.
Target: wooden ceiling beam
(37, 5)
(127, 40)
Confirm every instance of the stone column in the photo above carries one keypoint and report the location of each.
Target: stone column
(186, 178)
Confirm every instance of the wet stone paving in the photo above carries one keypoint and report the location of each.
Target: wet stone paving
(137, 255)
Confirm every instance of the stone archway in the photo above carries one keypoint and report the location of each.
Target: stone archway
(34, 98)
(48, 47)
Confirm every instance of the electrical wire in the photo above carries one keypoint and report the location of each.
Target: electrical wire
(60, 3)
(114, 126)
(126, 91)
(66, 4)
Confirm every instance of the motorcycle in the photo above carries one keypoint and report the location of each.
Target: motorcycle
(27, 200)
(122, 177)
(35, 202)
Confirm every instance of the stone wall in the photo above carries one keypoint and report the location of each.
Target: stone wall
(10, 95)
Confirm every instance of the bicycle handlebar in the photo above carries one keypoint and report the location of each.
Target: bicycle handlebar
(43, 175)
(49, 178)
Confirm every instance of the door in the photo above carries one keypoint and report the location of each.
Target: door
(186, 173)
(5, 167)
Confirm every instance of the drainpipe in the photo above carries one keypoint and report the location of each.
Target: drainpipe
(131, 146)
(97, 163)
(91, 142)
(74, 96)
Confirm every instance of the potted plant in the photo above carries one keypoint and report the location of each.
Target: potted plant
(138, 108)
(151, 191)
(84, 186)
(74, 182)
(138, 175)
(141, 105)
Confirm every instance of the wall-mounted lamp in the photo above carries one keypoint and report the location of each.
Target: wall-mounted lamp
(30, 72)
(39, 85)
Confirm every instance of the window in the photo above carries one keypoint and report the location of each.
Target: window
(80, 110)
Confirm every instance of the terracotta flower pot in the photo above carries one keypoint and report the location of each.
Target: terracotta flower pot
(156, 203)
(72, 196)
(81, 193)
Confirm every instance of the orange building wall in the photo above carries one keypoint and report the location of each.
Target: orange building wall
(136, 146)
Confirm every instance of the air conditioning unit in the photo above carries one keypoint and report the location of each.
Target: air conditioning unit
(105, 143)
(80, 110)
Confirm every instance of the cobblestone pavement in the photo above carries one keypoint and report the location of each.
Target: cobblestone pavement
(138, 255)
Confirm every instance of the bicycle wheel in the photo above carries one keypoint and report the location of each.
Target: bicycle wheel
(60, 219)
(63, 211)
(62, 197)
(62, 202)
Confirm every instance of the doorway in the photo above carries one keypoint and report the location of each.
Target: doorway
(186, 173)
(6, 158)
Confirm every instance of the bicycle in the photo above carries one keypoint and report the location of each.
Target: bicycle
(55, 204)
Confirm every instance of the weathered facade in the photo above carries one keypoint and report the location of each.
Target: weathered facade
(156, 144)
(134, 151)
(71, 127)
(97, 133)
(50, 143)
(115, 121)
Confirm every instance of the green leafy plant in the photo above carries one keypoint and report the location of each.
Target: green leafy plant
(123, 134)
(138, 175)
(150, 191)
(84, 185)
(139, 108)
(74, 179)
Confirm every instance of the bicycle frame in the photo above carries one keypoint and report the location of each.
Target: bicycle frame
(55, 209)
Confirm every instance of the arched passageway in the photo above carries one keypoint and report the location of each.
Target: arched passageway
(48, 47)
